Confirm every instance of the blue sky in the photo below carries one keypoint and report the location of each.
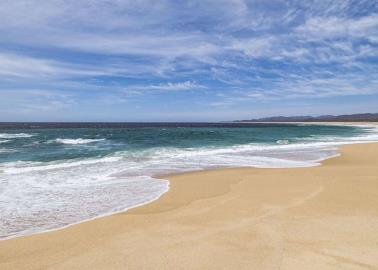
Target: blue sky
(186, 60)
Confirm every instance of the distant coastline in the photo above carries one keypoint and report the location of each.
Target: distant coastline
(362, 117)
(281, 120)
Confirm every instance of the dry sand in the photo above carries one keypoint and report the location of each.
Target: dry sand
(323, 217)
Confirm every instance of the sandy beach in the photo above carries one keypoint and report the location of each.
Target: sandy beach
(323, 217)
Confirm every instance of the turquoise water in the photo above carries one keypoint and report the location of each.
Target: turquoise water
(52, 177)
(46, 145)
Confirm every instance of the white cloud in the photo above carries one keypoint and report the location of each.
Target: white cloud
(168, 46)
(170, 86)
(21, 67)
(254, 47)
(30, 100)
(12, 65)
(338, 27)
(227, 43)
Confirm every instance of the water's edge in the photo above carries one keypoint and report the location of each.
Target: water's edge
(164, 177)
(335, 147)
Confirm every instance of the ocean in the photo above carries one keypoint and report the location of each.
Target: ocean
(53, 175)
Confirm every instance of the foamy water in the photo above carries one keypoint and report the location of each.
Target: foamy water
(40, 191)
(77, 141)
(15, 135)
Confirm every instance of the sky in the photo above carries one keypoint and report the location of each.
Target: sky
(203, 60)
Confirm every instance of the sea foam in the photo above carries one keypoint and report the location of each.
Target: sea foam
(15, 135)
(77, 141)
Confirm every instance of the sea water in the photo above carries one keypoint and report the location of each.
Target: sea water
(54, 175)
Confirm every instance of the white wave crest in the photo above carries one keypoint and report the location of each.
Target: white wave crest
(77, 141)
(26, 167)
(283, 142)
(15, 135)
(4, 150)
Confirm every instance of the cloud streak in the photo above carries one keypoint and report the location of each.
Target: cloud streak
(244, 50)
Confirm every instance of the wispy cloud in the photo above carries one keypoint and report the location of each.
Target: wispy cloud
(20, 66)
(318, 28)
(169, 86)
(30, 100)
(244, 49)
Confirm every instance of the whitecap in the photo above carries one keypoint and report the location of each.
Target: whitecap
(15, 135)
(77, 141)
(282, 141)
(19, 167)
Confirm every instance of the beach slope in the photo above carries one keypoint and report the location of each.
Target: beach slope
(323, 217)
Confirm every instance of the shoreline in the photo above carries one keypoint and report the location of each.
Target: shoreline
(174, 205)
(85, 220)
(165, 177)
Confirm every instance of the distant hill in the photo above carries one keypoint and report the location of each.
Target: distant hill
(362, 117)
